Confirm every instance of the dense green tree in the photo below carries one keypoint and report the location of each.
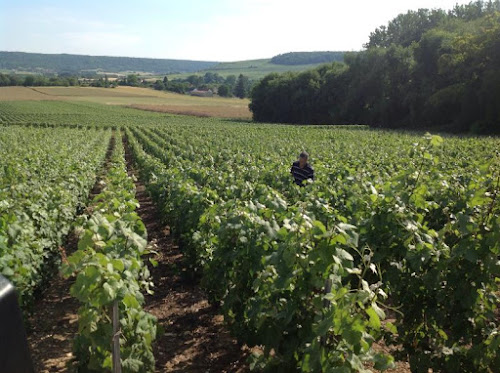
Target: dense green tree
(4, 80)
(224, 90)
(270, 98)
(72, 81)
(475, 9)
(15, 80)
(242, 86)
(132, 80)
(41, 81)
(37, 80)
(178, 87)
(305, 58)
(230, 80)
(98, 83)
(425, 69)
(159, 85)
(406, 28)
(210, 78)
(29, 81)
(195, 80)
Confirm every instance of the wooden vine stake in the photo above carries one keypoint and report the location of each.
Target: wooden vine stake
(117, 368)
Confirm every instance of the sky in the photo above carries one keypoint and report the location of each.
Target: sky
(208, 30)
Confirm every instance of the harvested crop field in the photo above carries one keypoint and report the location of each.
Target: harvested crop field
(138, 98)
(22, 93)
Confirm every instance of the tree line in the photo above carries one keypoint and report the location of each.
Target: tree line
(306, 58)
(63, 80)
(228, 86)
(223, 86)
(425, 69)
(37, 80)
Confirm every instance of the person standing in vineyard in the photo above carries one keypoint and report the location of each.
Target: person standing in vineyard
(301, 169)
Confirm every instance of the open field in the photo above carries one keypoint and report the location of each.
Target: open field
(140, 98)
(254, 69)
(22, 94)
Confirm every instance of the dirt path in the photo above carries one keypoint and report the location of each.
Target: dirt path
(195, 339)
(53, 324)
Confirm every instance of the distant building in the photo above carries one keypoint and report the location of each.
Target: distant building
(201, 93)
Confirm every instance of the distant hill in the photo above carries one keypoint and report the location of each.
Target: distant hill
(257, 69)
(306, 58)
(74, 64)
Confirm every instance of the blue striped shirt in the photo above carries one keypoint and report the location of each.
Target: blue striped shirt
(301, 174)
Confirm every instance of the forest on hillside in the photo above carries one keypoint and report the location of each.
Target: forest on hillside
(76, 64)
(426, 69)
(306, 58)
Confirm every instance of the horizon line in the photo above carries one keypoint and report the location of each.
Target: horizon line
(173, 59)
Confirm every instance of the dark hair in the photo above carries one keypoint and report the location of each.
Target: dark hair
(304, 155)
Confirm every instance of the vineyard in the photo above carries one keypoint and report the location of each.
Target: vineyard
(395, 243)
(45, 178)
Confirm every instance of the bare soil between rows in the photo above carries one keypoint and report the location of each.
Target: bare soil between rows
(53, 324)
(194, 338)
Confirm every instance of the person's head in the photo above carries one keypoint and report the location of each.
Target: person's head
(303, 158)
